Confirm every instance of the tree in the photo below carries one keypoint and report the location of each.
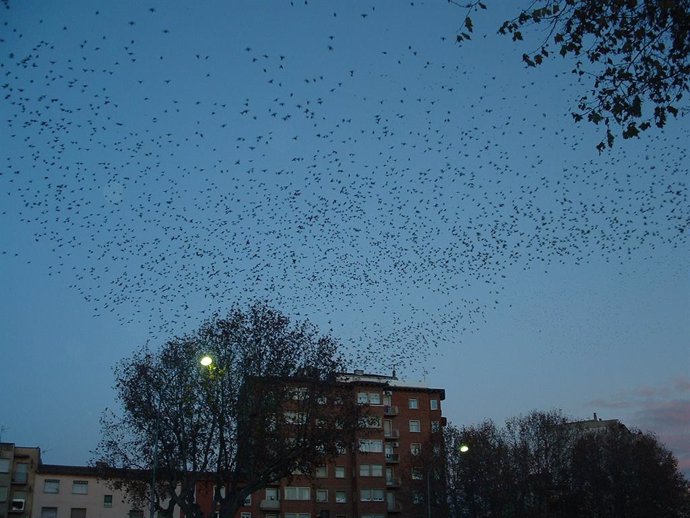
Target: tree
(255, 415)
(479, 479)
(616, 472)
(634, 52)
(541, 465)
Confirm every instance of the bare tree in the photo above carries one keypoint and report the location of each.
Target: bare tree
(543, 465)
(268, 405)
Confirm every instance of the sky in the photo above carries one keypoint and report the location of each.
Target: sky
(433, 206)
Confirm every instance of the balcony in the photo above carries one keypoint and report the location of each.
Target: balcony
(390, 411)
(392, 458)
(393, 482)
(391, 434)
(269, 505)
(394, 507)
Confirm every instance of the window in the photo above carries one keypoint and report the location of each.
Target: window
(372, 421)
(107, 500)
(246, 515)
(322, 400)
(371, 495)
(415, 448)
(80, 487)
(247, 500)
(80, 512)
(417, 497)
(136, 513)
(342, 449)
(340, 497)
(415, 426)
(417, 474)
(371, 470)
(4, 465)
(295, 417)
(413, 403)
(433, 404)
(271, 493)
(372, 398)
(51, 486)
(3, 493)
(21, 473)
(48, 512)
(297, 493)
(322, 495)
(435, 426)
(340, 472)
(300, 393)
(321, 472)
(297, 515)
(370, 445)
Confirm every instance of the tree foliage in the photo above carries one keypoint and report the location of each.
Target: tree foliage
(540, 465)
(635, 53)
(254, 416)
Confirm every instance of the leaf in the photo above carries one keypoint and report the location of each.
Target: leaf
(528, 60)
(631, 131)
(468, 23)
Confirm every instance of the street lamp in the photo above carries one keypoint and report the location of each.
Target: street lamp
(464, 448)
(206, 361)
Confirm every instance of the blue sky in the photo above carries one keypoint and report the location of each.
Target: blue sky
(433, 206)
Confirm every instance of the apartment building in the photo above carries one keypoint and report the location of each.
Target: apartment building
(382, 475)
(17, 470)
(77, 492)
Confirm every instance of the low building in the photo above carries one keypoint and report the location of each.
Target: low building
(77, 492)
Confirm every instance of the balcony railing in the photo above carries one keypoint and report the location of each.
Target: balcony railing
(394, 507)
(269, 505)
(392, 434)
(389, 410)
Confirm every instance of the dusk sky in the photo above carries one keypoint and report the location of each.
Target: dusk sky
(433, 206)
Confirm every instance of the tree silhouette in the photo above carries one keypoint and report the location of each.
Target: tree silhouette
(633, 53)
(263, 409)
(541, 465)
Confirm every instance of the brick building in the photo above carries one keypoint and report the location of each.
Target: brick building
(375, 478)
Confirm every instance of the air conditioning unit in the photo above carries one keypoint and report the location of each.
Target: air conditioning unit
(18, 504)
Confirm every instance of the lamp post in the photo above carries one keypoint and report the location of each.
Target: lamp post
(152, 508)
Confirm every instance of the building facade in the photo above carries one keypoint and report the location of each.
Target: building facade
(17, 471)
(77, 492)
(377, 477)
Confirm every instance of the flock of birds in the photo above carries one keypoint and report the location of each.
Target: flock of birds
(346, 170)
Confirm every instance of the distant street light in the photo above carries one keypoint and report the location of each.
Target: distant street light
(206, 361)
(464, 448)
